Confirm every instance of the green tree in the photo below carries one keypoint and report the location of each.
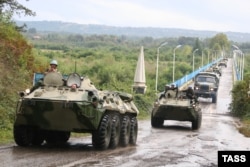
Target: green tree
(219, 42)
(14, 7)
(198, 46)
(32, 31)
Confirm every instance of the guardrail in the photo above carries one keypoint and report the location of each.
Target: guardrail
(236, 71)
(182, 81)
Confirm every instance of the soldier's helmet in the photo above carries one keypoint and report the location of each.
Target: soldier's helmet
(54, 62)
(167, 87)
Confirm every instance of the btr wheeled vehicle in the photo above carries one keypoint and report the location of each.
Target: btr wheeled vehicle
(176, 105)
(71, 103)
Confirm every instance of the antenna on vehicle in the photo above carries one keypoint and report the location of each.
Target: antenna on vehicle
(248, 93)
(75, 66)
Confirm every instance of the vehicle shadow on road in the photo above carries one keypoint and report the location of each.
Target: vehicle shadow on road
(75, 147)
(175, 127)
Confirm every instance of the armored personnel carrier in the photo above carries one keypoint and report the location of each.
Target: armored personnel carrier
(206, 85)
(62, 105)
(175, 105)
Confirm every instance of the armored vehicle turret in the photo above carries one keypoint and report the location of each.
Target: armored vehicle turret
(65, 104)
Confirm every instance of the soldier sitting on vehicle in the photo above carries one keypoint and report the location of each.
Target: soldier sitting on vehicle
(173, 87)
(53, 68)
(190, 93)
(172, 92)
(169, 92)
(167, 87)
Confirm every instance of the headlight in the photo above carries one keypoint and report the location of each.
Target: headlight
(27, 91)
(24, 93)
(94, 102)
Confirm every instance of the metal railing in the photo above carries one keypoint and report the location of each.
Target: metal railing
(180, 82)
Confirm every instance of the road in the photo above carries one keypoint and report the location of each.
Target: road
(173, 145)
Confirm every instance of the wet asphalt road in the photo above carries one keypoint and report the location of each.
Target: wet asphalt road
(176, 144)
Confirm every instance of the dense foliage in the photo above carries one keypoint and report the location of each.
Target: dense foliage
(15, 66)
(16, 63)
(240, 105)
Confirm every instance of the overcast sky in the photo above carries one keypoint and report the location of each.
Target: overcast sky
(215, 15)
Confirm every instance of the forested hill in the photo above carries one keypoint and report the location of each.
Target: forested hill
(66, 27)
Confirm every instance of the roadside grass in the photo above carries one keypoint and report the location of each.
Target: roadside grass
(6, 136)
(245, 128)
(143, 116)
(78, 135)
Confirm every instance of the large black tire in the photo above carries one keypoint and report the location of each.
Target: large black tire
(115, 131)
(38, 137)
(101, 137)
(64, 137)
(156, 122)
(196, 124)
(23, 135)
(214, 98)
(133, 131)
(57, 137)
(125, 131)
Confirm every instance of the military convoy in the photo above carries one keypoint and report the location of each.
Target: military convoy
(215, 69)
(206, 84)
(71, 103)
(62, 105)
(176, 105)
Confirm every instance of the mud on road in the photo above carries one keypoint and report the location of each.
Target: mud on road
(175, 144)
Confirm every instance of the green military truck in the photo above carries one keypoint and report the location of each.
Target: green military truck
(62, 105)
(206, 85)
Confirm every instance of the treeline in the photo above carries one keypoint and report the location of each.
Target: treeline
(92, 51)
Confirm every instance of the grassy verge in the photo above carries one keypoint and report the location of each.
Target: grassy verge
(245, 128)
(6, 136)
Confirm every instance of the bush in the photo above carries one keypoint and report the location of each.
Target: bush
(240, 105)
(16, 68)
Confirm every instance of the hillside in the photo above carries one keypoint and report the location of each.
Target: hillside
(66, 27)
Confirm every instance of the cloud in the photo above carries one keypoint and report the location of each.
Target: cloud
(219, 15)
